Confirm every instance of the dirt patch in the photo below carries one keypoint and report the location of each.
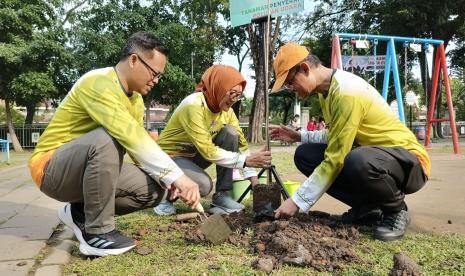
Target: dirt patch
(308, 240)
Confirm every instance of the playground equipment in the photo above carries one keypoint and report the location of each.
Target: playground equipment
(391, 64)
(5, 150)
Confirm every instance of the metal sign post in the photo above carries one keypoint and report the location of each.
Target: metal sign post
(264, 23)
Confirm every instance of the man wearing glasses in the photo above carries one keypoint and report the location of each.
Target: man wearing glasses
(79, 157)
(204, 130)
(367, 158)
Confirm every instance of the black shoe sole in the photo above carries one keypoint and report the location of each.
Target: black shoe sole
(387, 239)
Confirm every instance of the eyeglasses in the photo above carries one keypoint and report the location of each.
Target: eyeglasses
(155, 75)
(235, 96)
(288, 84)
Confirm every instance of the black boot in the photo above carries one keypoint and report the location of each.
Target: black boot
(393, 226)
(363, 215)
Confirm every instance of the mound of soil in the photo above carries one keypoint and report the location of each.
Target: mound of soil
(404, 265)
(308, 240)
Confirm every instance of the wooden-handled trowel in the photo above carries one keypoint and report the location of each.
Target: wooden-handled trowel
(213, 227)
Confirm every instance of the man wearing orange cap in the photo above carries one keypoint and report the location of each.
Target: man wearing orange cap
(366, 158)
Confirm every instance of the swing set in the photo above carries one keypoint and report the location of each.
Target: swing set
(391, 64)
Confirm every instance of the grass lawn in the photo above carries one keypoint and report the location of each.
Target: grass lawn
(436, 254)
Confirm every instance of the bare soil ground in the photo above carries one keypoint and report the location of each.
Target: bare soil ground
(309, 240)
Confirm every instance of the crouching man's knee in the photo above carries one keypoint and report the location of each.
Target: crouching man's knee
(129, 203)
(205, 186)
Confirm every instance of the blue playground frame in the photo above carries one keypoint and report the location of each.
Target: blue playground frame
(391, 61)
(5, 147)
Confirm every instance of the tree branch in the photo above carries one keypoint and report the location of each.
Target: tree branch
(71, 11)
(309, 25)
(240, 60)
(276, 33)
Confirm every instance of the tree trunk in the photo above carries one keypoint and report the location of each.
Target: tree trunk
(426, 83)
(257, 116)
(439, 132)
(31, 110)
(11, 129)
(258, 104)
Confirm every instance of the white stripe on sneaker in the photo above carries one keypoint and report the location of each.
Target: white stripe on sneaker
(93, 240)
(98, 243)
(105, 244)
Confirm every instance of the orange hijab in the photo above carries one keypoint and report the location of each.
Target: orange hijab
(216, 82)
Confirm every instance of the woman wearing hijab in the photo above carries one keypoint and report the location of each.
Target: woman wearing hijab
(204, 130)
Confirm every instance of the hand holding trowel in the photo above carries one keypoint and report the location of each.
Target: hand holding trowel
(214, 228)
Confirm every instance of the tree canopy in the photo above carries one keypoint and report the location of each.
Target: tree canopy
(190, 30)
(32, 55)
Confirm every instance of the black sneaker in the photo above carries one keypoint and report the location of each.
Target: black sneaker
(393, 226)
(362, 215)
(73, 218)
(111, 243)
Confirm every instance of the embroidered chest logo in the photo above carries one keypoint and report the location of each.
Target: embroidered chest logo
(213, 130)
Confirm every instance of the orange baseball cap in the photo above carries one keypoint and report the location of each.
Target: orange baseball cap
(288, 56)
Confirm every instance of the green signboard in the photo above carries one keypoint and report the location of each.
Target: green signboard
(243, 11)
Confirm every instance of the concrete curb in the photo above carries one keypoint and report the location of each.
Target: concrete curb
(58, 254)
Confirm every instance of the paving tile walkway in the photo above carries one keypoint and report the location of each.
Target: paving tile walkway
(436, 208)
(27, 220)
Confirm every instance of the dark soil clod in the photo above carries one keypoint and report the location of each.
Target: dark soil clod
(403, 265)
(144, 251)
(263, 264)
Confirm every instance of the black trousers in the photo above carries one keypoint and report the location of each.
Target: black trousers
(372, 176)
